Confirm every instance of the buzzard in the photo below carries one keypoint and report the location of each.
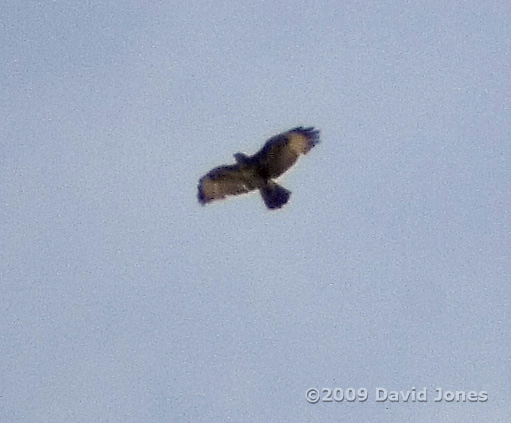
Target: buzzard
(249, 173)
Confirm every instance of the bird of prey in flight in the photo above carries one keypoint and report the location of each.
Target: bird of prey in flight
(249, 173)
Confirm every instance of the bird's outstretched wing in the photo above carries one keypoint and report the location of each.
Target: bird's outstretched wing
(282, 151)
(226, 180)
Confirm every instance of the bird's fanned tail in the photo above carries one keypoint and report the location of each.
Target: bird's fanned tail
(274, 195)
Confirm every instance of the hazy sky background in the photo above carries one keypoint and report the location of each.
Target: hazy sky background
(125, 300)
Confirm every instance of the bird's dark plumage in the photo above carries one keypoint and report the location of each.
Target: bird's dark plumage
(258, 171)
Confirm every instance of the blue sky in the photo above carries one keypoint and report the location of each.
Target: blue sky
(125, 300)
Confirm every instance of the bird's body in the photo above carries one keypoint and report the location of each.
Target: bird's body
(258, 171)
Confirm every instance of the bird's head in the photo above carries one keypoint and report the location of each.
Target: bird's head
(241, 158)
